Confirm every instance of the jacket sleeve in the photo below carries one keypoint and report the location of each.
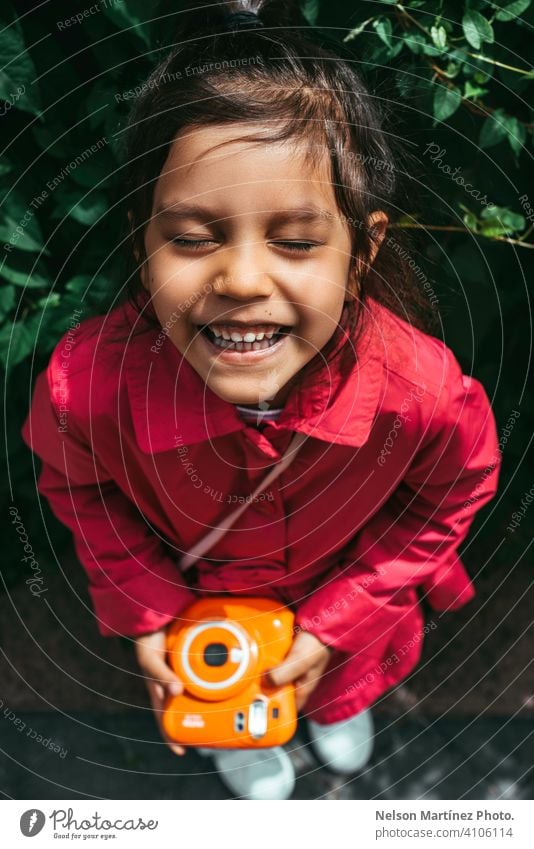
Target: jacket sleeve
(135, 587)
(412, 539)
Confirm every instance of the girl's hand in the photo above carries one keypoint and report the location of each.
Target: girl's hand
(305, 663)
(160, 679)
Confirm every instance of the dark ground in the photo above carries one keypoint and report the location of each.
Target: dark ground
(460, 727)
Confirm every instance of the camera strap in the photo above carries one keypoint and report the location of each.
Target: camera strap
(214, 534)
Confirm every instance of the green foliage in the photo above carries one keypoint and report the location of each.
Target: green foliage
(462, 84)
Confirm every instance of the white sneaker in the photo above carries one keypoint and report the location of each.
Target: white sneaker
(255, 773)
(345, 746)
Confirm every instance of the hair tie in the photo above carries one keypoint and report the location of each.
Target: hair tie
(243, 19)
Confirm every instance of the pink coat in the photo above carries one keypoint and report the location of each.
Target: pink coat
(140, 459)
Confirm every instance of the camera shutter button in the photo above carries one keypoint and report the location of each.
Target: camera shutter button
(257, 718)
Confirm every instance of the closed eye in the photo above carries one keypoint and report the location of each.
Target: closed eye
(194, 244)
(297, 246)
(198, 244)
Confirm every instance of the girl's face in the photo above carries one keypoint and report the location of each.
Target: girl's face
(247, 261)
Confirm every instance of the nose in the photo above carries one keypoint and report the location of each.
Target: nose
(242, 274)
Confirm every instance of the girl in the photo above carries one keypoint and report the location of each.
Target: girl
(267, 300)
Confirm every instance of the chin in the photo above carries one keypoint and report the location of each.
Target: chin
(237, 396)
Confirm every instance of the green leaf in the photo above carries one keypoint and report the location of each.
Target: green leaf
(16, 342)
(477, 29)
(17, 75)
(310, 10)
(128, 18)
(415, 41)
(383, 29)
(85, 211)
(21, 270)
(15, 233)
(7, 298)
(473, 90)
(5, 167)
(446, 102)
(430, 50)
(453, 70)
(493, 129)
(354, 33)
(470, 221)
(439, 36)
(511, 12)
(20, 228)
(500, 221)
(517, 133)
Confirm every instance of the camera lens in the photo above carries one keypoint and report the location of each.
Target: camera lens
(215, 654)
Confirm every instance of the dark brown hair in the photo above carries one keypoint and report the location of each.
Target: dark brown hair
(280, 77)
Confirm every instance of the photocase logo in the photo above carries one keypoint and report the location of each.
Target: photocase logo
(31, 822)
(269, 386)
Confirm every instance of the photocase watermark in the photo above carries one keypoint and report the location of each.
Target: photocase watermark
(31, 822)
(36, 580)
(189, 71)
(80, 17)
(225, 65)
(436, 157)
(9, 102)
(65, 354)
(386, 664)
(359, 224)
(401, 417)
(417, 270)
(518, 515)
(268, 389)
(362, 158)
(176, 314)
(65, 820)
(527, 208)
(138, 90)
(342, 603)
(51, 186)
(31, 733)
(495, 459)
(198, 483)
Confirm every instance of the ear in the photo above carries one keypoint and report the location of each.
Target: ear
(142, 267)
(376, 225)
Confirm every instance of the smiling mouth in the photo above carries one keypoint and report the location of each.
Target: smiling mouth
(269, 339)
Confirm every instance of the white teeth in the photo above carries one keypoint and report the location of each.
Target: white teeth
(250, 336)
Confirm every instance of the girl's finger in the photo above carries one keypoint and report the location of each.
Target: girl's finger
(178, 750)
(157, 698)
(159, 672)
(304, 687)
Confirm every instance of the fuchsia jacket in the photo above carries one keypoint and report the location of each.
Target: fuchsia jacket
(140, 459)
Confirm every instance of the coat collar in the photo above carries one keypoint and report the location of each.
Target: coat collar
(172, 407)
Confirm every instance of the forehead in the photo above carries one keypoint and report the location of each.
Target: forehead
(222, 161)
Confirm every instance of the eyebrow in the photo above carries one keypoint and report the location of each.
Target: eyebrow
(308, 214)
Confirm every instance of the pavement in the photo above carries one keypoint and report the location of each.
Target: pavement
(122, 757)
(75, 720)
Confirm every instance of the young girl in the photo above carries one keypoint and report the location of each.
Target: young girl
(267, 299)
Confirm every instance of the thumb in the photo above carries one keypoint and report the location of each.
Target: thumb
(295, 664)
(151, 659)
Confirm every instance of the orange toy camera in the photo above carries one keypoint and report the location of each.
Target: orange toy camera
(220, 649)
